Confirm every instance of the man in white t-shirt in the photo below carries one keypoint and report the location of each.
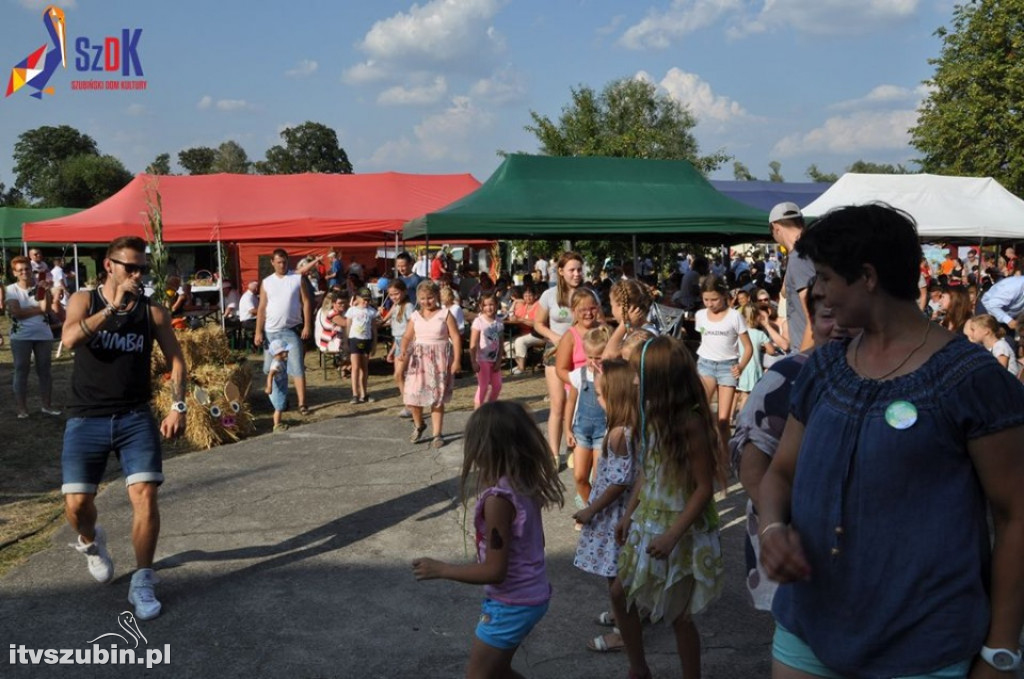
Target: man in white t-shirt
(285, 305)
(231, 300)
(541, 267)
(248, 303)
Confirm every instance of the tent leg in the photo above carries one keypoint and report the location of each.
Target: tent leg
(77, 282)
(220, 282)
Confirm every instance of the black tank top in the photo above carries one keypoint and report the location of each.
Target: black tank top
(112, 370)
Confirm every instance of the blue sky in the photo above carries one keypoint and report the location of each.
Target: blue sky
(441, 85)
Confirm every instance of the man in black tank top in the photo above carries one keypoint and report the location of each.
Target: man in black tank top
(112, 329)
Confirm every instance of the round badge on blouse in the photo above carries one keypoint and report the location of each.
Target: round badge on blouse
(901, 414)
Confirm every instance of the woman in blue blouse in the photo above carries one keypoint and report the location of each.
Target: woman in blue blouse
(873, 512)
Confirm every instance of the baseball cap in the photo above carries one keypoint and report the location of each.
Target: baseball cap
(783, 211)
(277, 346)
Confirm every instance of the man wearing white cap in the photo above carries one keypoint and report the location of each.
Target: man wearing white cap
(787, 225)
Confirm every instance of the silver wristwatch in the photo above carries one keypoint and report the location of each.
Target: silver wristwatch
(1003, 659)
(179, 407)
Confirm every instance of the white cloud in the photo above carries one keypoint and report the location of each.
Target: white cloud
(366, 72)
(856, 133)
(612, 26)
(223, 104)
(882, 95)
(826, 17)
(414, 96)
(445, 136)
(660, 28)
(440, 31)
(303, 69)
(136, 110)
(690, 90)
(505, 86)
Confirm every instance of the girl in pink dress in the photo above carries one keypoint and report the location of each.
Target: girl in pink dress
(434, 350)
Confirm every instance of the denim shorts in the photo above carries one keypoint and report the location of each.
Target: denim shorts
(792, 651)
(504, 626)
(296, 359)
(589, 432)
(721, 371)
(88, 442)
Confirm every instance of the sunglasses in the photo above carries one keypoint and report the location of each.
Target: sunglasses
(131, 269)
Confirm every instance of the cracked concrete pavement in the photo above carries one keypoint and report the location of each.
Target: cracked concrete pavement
(289, 555)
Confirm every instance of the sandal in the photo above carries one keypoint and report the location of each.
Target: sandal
(303, 410)
(600, 644)
(605, 619)
(437, 442)
(417, 432)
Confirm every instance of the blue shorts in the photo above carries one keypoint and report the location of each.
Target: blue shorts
(88, 442)
(589, 432)
(792, 651)
(721, 371)
(504, 626)
(296, 358)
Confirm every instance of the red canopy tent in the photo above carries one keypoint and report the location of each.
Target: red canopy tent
(238, 208)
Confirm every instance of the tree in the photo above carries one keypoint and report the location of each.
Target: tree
(160, 165)
(231, 157)
(629, 119)
(309, 147)
(197, 160)
(39, 153)
(741, 173)
(776, 174)
(818, 176)
(84, 181)
(865, 167)
(972, 122)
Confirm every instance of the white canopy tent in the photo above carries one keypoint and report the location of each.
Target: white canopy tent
(976, 208)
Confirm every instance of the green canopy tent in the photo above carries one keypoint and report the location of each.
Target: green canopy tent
(594, 197)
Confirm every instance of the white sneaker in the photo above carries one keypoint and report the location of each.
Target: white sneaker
(141, 594)
(101, 566)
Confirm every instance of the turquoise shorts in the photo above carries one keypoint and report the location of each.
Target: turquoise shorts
(504, 626)
(792, 651)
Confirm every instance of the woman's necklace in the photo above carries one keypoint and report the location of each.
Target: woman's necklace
(856, 355)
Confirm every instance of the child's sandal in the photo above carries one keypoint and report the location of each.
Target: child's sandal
(417, 432)
(437, 442)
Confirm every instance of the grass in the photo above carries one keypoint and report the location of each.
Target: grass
(31, 508)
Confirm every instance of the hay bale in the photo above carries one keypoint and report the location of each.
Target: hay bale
(204, 345)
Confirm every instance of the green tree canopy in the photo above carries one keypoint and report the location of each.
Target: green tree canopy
(817, 175)
(160, 165)
(629, 119)
(39, 153)
(866, 167)
(776, 172)
(741, 173)
(309, 147)
(231, 157)
(972, 122)
(84, 181)
(197, 160)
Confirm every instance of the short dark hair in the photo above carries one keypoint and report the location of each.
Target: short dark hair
(126, 243)
(847, 238)
(404, 256)
(280, 252)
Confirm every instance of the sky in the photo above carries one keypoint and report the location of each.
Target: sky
(442, 86)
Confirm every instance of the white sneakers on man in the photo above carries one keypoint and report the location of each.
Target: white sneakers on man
(141, 594)
(101, 566)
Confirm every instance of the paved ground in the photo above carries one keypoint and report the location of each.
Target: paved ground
(288, 555)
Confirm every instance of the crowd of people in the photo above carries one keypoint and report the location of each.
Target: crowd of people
(874, 421)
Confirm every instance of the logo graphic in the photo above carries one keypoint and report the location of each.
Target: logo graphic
(112, 55)
(35, 69)
(126, 621)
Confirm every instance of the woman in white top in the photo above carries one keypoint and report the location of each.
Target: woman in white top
(722, 331)
(554, 317)
(28, 305)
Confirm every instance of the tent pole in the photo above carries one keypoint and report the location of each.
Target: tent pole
(394, 258)
(77, 285)
(636, 263)
(220, 282)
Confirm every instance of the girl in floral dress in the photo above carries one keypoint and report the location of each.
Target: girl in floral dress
(434, 349)
(597, 551)
(670, 566)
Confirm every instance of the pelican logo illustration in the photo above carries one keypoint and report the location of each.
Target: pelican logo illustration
(36, 69)
(126, 621)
